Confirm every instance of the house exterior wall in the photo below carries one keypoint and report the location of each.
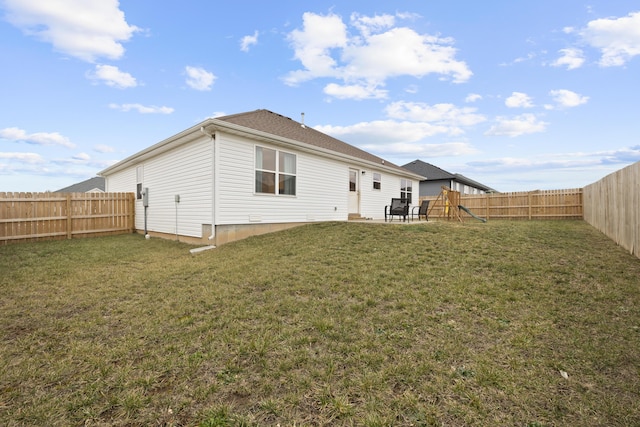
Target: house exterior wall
(466, 189)
(234, 208)
(185, 171)
(322, 188)
(374, 201)
(122, 181)
(432, 188)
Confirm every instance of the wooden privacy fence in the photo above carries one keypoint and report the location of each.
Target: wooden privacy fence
(48, 216)
(546, 204)
(612, 205)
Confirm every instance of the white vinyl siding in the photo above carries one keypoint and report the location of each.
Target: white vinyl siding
(321, 187)
(121, 182)
(373, 201)
(184, 171)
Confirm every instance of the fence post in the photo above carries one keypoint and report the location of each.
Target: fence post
(132, 211)
(487, 206)
(69, 221)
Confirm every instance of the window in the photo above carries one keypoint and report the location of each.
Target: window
(275, 170)
(406, 189)
(139, 177)
(377, 179)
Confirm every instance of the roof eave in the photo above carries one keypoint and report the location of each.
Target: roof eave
(209, 126)
(215, 124)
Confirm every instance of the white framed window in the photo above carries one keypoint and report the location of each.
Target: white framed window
(139, 179)
(275, 172)
(406, 189)
(377, 181)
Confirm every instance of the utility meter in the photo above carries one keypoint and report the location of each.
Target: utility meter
(145, 197)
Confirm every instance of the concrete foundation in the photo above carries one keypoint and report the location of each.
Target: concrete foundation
(226, 233)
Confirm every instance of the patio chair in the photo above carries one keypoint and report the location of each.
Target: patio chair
(422, 210)
(398, 207)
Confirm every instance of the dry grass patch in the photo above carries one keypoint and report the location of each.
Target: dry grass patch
(338, 323)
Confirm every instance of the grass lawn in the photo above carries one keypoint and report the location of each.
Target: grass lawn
(441, 324)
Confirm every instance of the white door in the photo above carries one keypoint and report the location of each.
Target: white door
(354, 191)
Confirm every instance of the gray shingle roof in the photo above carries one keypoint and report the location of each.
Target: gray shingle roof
(97, 182)
(431, 172)
(266, 123)
(434, 173)
(276, 124)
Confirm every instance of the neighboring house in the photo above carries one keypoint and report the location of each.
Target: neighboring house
(91, 185)
(436, 178)
(244, 174)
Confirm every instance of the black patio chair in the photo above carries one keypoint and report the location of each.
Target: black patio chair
(422, 210)
(398, 207)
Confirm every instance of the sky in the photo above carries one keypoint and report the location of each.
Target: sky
(518, 96)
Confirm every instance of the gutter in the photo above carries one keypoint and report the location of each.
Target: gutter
(210, 126)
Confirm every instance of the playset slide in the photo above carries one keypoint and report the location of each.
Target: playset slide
(471, 213)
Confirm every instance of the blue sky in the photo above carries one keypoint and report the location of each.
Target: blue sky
(517, 95)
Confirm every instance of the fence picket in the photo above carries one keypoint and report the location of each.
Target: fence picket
(546, 204)
(612, 205)
(45, 216)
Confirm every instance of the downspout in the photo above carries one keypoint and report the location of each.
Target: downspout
(213, 182)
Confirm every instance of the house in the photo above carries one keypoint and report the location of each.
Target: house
(250, 173)
(91, 185)
(436, 178)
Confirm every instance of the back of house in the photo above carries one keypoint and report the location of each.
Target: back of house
(250, 173)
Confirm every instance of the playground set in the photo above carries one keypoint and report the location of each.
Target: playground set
(451, 201)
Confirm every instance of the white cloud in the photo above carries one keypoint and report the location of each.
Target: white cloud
(473, 97)
(530, 56)
(412, 89)
(402, 51)
(357, 92)
(408, 125)
(78, 160)
(38, 138)
(383, 132)
(372, 24)
(551, 161)
(31, 158)
(83, 29)
(101, 148)
(379, 51)
(199, 78)
(142, 109)
(112, 76)
(518, 100)
(572, 58)
(618, 39)
(516, 126)
(407, 150)
(443, 114)
(247, 41)
(312, 46)
(566, 99)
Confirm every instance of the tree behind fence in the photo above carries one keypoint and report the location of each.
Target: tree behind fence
(49, 216)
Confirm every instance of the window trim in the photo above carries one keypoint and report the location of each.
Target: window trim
(139, 181)
(278, 172)
(404, 193)
(378, 181)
